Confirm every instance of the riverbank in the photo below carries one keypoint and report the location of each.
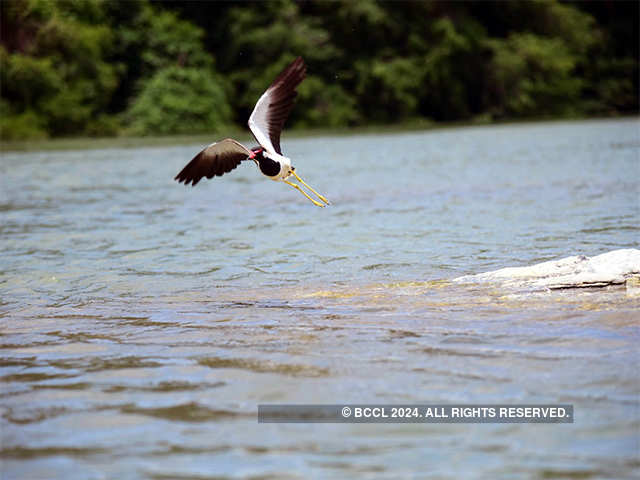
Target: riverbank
(97, 143)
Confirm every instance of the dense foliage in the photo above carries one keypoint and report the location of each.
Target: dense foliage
(105, 67)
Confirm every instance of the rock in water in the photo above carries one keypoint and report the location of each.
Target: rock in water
(610, 268)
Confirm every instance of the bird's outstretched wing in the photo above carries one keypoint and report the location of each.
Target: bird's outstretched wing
(273, 107)
(216, 159)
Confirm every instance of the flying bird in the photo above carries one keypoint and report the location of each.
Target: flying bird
(266, 123)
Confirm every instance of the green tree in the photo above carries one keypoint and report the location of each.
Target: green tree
(177, 90)
(533, 75)
(268, 36)
(73, 67)
(180, 100)
(54, 70)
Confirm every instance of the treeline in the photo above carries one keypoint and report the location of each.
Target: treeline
(109, 67)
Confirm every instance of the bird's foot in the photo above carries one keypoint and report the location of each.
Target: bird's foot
(297, 187)
(321, 197)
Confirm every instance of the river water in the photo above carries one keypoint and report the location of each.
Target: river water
(144, 321)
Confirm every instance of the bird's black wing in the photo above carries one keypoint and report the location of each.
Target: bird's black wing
(216, 159)
(273, 107)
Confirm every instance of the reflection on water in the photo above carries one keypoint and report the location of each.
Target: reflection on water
(142, 321)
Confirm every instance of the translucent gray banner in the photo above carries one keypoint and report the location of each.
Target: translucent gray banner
(361, 413)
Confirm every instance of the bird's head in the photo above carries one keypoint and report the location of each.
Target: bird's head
(256, 152)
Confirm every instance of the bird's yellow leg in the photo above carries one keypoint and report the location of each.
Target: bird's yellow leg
(293, 172)
(297, 187)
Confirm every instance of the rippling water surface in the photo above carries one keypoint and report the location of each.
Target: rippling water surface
(143, 322)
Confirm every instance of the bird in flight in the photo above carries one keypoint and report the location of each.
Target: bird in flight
(266, 123)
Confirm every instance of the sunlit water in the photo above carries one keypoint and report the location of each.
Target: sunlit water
(143, 321)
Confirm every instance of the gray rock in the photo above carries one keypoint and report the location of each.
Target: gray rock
(612, 268)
